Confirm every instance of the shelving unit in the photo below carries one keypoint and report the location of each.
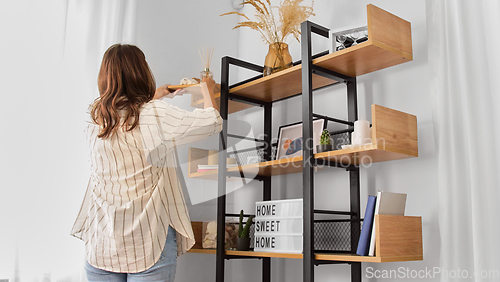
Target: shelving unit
(394, 135)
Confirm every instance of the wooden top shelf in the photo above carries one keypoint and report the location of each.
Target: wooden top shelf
(355, 61)
(278, 85)
(389, 43)
(319, 256)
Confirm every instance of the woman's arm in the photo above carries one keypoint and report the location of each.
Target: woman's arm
(178, 126)
(163, 91)
(208, 93)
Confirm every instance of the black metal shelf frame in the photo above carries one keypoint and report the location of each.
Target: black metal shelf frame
(309, 261)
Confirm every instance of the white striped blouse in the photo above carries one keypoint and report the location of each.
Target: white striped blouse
(134, 194)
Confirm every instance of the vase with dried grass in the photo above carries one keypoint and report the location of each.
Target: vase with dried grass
(278, 58)
(274, 32)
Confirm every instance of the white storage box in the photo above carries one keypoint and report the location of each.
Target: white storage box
(278, 225)
(280, 208)
(278, 243)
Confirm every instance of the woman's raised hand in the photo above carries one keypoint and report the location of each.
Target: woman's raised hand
(209, 99)
(210, 84)
(163, 91)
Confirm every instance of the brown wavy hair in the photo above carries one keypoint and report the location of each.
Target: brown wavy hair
(125, 83)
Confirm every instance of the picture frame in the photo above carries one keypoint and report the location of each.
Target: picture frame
(290, 138)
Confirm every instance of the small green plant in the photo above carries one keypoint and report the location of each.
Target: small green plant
(244, 232)
(325, 138)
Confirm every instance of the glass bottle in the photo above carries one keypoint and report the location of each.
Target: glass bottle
(206, 72)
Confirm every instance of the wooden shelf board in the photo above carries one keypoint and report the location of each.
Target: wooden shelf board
(233, 106)
(278, 85)
(365, 154)
(359, 155)
(181, 86)
(263, 254)
(366, 57)
(361, 59)
(319, 256)
(202, 251)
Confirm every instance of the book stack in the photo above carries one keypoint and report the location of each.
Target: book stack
(385, 203)
(212, 162)
(278, 226)
(202, 168)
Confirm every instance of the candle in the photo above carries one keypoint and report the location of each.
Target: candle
(361, 134)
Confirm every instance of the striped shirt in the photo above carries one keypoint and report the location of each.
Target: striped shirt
(134, 194)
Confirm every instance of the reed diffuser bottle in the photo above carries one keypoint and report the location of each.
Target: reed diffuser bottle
(206, 72)
(206, 59)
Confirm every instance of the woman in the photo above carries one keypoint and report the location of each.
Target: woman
(133, 219)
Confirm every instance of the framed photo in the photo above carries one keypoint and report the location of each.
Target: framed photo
(290, 138)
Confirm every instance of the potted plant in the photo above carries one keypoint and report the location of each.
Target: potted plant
(243, 241)
(325, 142)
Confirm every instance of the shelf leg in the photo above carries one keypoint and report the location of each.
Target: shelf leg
(352, 114)
(308, 156)
(356, 272)
(221, 200)
(355, 208)
(352, 101)
(268, 116)
(266, 269)
(266, 262)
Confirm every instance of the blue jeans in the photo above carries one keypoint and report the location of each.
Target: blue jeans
(162, 271)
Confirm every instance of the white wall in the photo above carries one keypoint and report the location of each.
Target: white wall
(403, 87)
(37, 150)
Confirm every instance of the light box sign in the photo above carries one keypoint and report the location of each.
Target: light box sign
(278, 226)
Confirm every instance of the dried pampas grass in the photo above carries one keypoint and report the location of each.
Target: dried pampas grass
(290, 15)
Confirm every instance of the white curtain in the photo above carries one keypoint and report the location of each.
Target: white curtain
(465, 81)
(50, 56)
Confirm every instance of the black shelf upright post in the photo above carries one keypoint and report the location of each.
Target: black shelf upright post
(352, 114)
(308, 156)
(221, 199)
(223, 174)
(307, 28)
(266, 262)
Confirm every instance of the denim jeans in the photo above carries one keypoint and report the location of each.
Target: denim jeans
(163, 270)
